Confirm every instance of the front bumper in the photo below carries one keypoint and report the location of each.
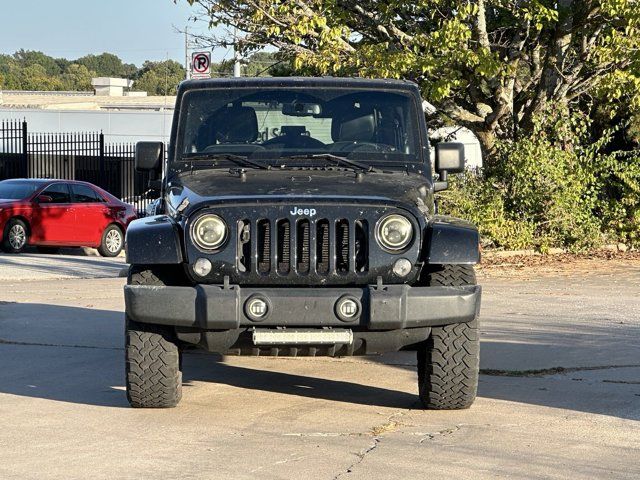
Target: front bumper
(215, 307)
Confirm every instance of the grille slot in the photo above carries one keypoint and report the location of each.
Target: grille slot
(342, 246)
(284, 246)
(303, 246)
(362, 246)
(264, 246)
(244, 246)
(322, 247)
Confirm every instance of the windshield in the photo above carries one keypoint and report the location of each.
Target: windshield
(17, 190)
(271, 125)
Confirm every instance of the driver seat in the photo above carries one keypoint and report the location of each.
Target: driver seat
(231, 130)
(236, 124)
(354, 125)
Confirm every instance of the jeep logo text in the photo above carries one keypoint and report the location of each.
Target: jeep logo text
(303, 211)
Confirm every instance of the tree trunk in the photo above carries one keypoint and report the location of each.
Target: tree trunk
(487, 140)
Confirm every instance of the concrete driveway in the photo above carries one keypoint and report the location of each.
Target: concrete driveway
(65, 416)
(69, 263)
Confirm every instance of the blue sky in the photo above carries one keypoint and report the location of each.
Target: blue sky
(135, 30)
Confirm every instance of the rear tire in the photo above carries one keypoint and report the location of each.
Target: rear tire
(152, 357)
(15, 236)
(112, 241)
(449, 360)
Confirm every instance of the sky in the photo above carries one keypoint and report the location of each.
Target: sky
(135, 30)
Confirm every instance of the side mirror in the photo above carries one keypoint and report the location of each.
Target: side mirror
(149, 156)
(449, 159)
(44, 199)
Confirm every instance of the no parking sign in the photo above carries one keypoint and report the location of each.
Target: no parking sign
(201, 65)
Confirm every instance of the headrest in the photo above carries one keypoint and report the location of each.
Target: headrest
(236, 125)
(293, 130)
(354, 126)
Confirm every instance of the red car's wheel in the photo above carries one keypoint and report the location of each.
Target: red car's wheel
(15, 236)
(112, 241)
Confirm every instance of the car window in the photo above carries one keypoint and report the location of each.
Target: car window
(59, 193)
(85, 194)
(17, 190)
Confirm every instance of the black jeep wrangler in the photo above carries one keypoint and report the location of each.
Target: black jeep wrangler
(297, 217)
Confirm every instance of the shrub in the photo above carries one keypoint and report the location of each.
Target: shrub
(554, 188)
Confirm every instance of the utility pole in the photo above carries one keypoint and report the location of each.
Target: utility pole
(236, 55)
(186, 53)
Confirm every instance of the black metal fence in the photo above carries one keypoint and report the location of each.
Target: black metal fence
(73, 156)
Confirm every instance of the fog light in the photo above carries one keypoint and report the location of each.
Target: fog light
(202, 267)
(347, 308)
(256, 308)
(402, 267)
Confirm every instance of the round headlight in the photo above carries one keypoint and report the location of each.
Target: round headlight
(209, 232)
(394, 232)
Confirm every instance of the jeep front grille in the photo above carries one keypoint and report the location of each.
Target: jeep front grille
(321, 246)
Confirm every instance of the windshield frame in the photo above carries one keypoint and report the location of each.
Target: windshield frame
(177, 162)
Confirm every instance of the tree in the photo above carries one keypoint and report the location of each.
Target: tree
(28, 58)
(107, 65)
(490, 65)
(257, 64)
(160, 78)
(34, 77)
(77, 78)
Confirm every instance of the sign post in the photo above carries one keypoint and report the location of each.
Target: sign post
(201, 65)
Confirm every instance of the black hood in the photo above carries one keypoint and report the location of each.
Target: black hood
(221, 184)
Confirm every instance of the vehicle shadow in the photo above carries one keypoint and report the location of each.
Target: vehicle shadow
(212, 368)
(75, 355)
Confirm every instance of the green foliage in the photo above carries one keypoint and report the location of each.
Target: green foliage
(257, 64)
(475, 198)
(557, 187)
(34, 77)
(107, 65)
(160, 78)
(28, 70)
(51, 66)
(77, 78)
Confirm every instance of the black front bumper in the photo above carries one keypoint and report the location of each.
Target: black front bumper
(390, 307)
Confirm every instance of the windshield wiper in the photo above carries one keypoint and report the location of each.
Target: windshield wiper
(338, 160)
(240, 160)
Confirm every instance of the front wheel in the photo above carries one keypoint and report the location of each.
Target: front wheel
(112, 241)
(15, 236)
(152, 357)
(449, 360)
(153, 374)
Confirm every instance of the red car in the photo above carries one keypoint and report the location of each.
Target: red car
(61, 213)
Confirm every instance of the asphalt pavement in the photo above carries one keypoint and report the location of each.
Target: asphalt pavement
(559, 396)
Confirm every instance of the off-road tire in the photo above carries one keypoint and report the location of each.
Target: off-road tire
(104, 249)
(6, 245)
(448, 361)
(152, 357)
